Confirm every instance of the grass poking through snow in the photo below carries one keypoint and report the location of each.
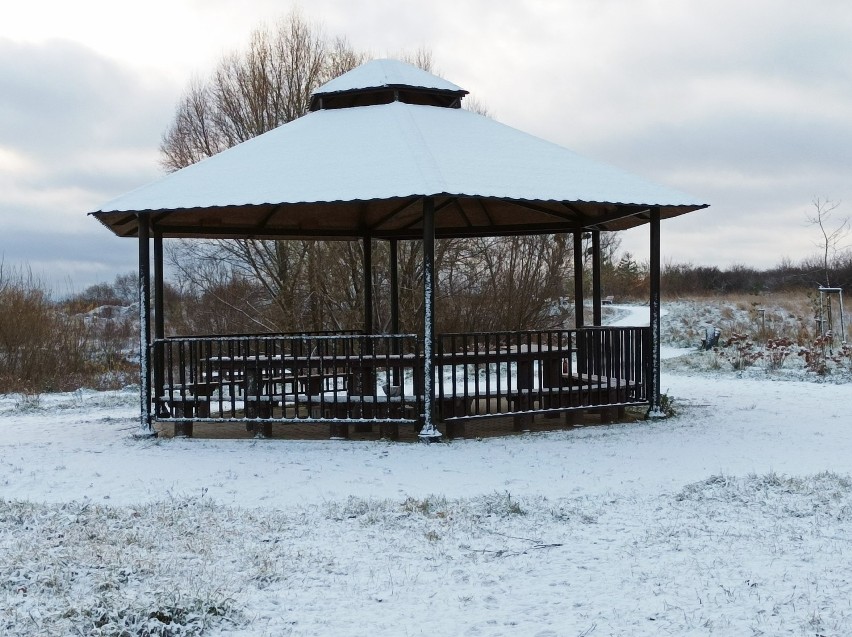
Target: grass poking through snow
(762, 554)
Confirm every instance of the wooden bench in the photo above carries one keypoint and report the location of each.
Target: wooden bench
(310, 383)
(595, 380)
(607, 300)
(190, 399)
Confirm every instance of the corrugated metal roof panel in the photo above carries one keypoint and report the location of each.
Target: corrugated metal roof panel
(394, 150)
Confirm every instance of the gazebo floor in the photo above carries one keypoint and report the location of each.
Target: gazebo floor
(481, 428)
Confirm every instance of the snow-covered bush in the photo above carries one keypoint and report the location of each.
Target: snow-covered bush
(740, 351)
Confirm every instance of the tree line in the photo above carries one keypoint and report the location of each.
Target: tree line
(687, 279)
(90, 338)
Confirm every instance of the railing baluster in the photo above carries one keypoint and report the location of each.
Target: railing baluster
(170, 375)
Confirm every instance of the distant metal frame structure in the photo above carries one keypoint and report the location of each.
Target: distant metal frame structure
(826, 315)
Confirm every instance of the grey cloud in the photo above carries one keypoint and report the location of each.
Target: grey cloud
(60, 96)
(88, 129)
(748, 106)
(751, 144)
(75, 260)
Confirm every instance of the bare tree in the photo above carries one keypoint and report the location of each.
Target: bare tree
(421, 57)
(475, 105)
(484, 283)
(832, 238)
(249, 93)
(501, 283)
(255, 90)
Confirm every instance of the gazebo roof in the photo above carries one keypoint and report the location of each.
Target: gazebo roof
(348, 171)
(384, 81)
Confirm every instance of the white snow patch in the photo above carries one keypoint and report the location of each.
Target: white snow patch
(731, 518)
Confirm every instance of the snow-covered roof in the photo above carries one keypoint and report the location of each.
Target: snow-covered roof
(347, 172)
(386, 73)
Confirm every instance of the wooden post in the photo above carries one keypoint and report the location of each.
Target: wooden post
(653, 372)
(338, 431)
(145, 428)
(183, 429)
(573, 417)
(455, 429)
(596, 278)
(429, 431)
(389, 431)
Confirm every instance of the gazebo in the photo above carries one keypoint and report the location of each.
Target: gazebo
(386, 153)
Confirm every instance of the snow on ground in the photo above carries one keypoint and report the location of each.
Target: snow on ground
(733, 518)
(631, 315)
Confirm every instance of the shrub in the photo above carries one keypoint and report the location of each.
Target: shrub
(777, 350)
(814, 355)
(739, 351)
(43, 347)
(668, 406)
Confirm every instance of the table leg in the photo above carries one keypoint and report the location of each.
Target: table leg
(252, 391)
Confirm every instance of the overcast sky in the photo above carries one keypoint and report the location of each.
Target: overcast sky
(745, 104)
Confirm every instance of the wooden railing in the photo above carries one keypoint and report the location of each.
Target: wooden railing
(515, 373)
(355, 378)
(290, 378)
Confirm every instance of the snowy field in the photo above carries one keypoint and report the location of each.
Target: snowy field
(733, 518)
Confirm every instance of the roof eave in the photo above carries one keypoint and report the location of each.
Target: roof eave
(541, 217)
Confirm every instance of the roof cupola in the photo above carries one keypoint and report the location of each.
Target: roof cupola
(383, 82)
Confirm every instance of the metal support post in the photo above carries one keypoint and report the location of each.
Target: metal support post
(578, 279)
(145, 428)
(596, 279)
(654, 394)
(394, 303)
(368, 285)
(159, 322)
(429, 431)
